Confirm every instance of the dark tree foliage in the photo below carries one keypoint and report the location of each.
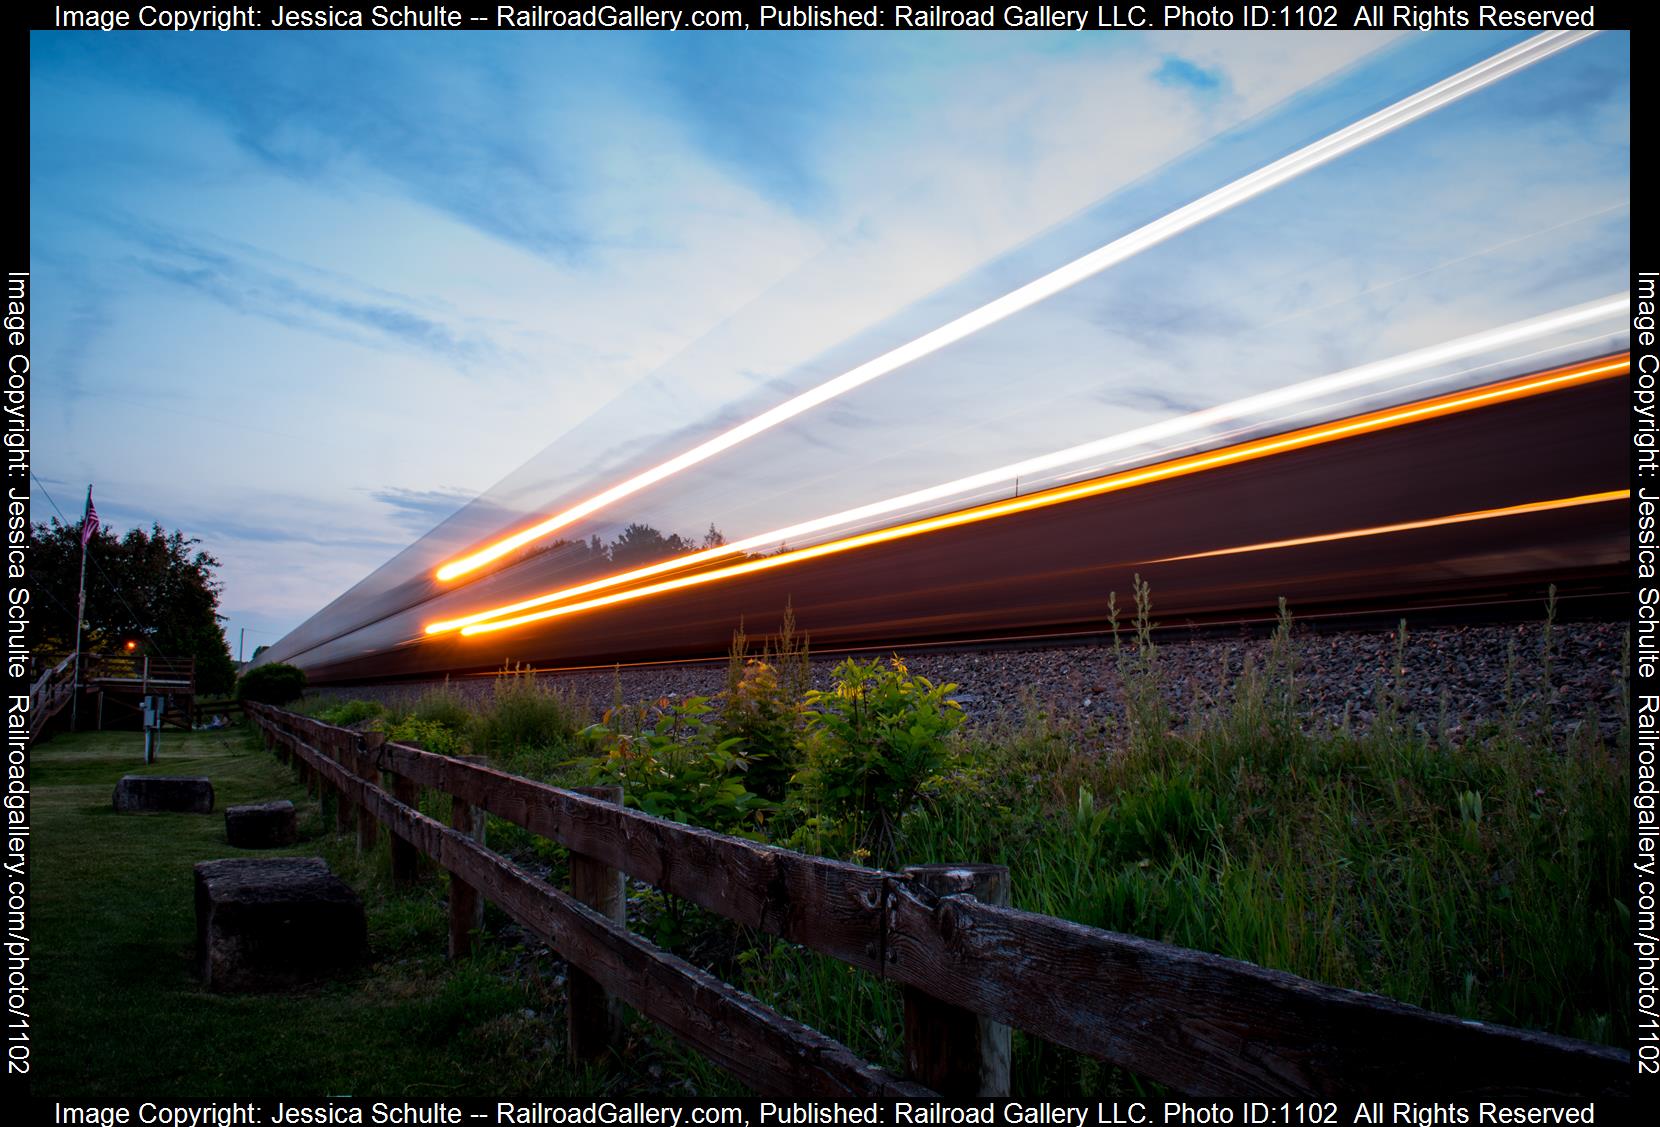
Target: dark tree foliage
(641, 544)
(145, 587)
(276, 683)
(637, 546)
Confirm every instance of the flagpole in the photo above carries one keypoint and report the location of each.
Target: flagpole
(89, 525)
(80, 617)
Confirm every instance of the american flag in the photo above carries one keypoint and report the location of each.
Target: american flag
(89, 522)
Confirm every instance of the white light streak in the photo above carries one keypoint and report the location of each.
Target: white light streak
(1228, 196)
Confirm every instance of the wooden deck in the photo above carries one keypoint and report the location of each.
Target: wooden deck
(115, 680)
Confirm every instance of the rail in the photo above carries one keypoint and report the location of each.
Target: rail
(144, 674)
(1202, 1024)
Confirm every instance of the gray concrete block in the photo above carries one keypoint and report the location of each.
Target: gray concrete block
(274, 923)
(154, 794)
(261, 825)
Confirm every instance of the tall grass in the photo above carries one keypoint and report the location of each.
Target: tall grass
(529, 726)
(1479, 877)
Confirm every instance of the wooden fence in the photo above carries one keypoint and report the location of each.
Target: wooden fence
(969, 968)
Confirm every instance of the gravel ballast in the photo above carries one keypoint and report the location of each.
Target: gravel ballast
(1451, 677)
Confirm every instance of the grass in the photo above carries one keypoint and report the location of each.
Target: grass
(119, 1012)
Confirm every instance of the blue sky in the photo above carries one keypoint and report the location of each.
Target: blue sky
(304, 295)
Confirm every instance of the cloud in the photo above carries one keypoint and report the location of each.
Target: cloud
(237, 282)
(449, 254)
(1179, 72)
(420, 510)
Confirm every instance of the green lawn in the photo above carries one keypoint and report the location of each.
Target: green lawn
(119, 1012)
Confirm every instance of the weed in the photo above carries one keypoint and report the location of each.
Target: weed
(529, 726)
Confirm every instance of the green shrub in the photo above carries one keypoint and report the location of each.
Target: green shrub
(525, 715)
(429, 735)
(351, 712)
(276, 683)
(678, 768)
(443, 706)
(766, 720)
(874, 739)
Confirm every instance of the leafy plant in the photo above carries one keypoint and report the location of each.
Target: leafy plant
(430, 735)
(348, 713)
(766, 721)
(876, 737)
(678, 767)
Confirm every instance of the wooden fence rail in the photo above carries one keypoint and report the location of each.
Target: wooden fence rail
(1202, 1024)
(50, 692)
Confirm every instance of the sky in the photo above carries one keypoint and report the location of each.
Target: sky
(306, 295)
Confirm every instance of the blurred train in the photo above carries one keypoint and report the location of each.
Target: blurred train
(1482, 504)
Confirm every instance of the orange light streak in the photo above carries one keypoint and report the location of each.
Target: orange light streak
(1437, 407)
(1214, 203)
(1407, 526)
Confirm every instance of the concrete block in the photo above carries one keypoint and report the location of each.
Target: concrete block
(154, 794)
(261, 825)
(274, 923)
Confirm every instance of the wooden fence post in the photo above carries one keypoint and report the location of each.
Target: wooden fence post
(344, 752)
(406, 859)
(466, 905)
(954, 1051)
(595, 1018)
(368, 829)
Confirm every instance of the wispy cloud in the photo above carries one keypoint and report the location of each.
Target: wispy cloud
(419, 510)
(237, 282)
(1177, 71)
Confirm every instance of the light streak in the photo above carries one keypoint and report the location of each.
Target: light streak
(1228, 196)
(1270, 400)
(1407, 526)
(1371, 422)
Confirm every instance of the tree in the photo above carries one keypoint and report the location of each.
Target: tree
(149, 588)
(641, 544)
(276, 683)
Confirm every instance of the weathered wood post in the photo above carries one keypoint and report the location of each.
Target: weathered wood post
(954, 1051)
(466, 905)
(406, 859)
(328, 798)
(368, 829)
(596, 1018)
(305, 768)
(344, 752)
